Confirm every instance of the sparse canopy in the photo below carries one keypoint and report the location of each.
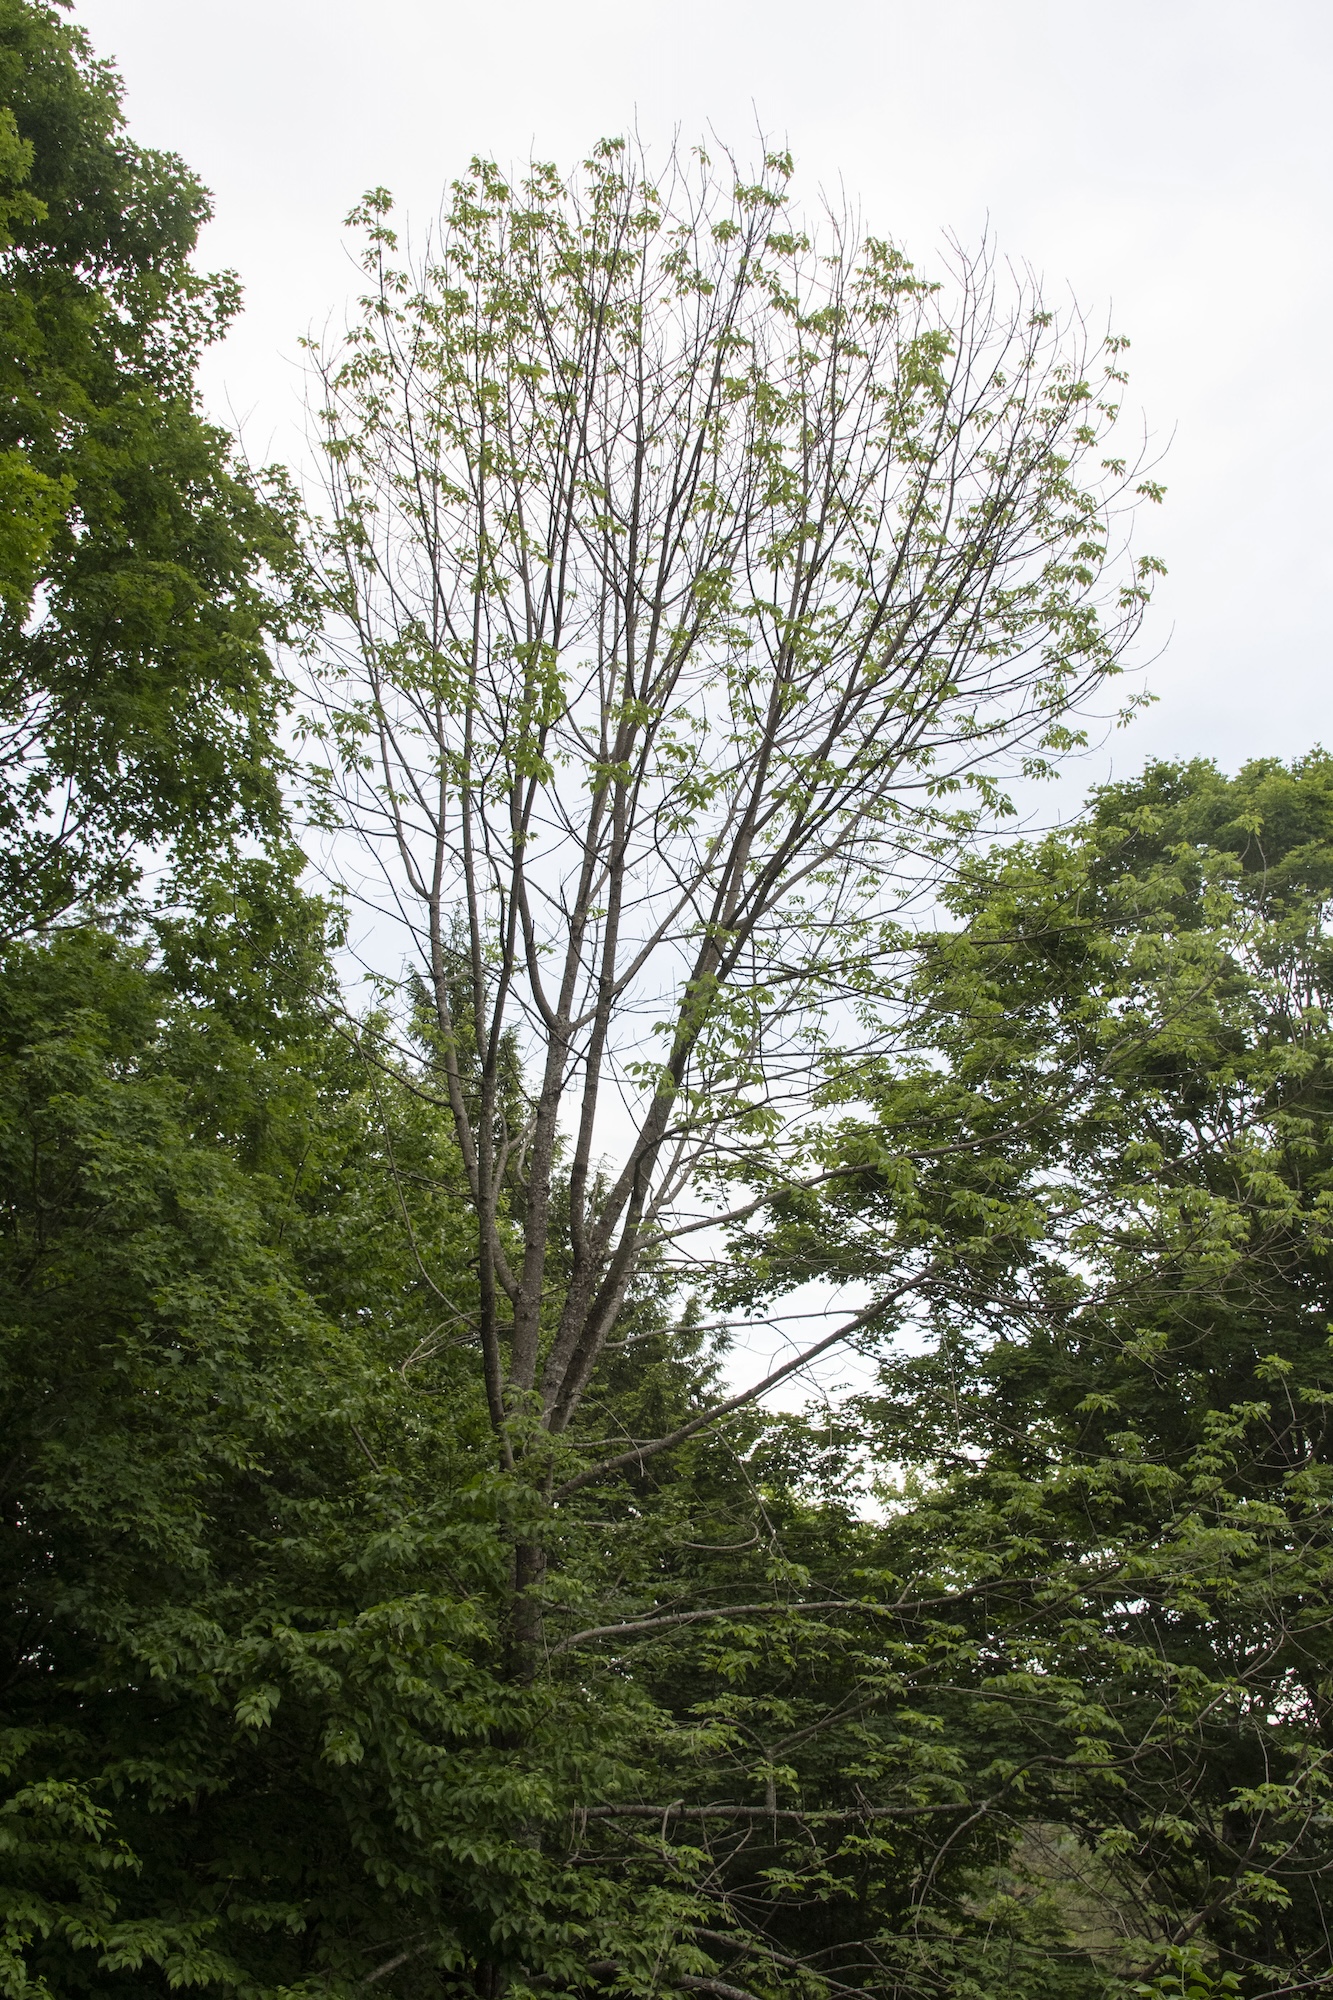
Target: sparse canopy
(692, 576)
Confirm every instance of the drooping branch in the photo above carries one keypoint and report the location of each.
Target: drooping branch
(638, 1454)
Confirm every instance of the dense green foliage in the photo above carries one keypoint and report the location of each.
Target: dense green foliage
(1111, 1152)
(1063, 1703)
(136, 696)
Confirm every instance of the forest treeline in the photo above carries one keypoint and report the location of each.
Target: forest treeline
(406, 1588)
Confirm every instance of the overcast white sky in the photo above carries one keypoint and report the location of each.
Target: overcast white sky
(1167, 159)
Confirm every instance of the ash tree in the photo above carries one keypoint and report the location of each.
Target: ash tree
(694, 578)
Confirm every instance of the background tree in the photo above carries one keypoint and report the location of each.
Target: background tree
(1113, 1146)
(137, 698)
